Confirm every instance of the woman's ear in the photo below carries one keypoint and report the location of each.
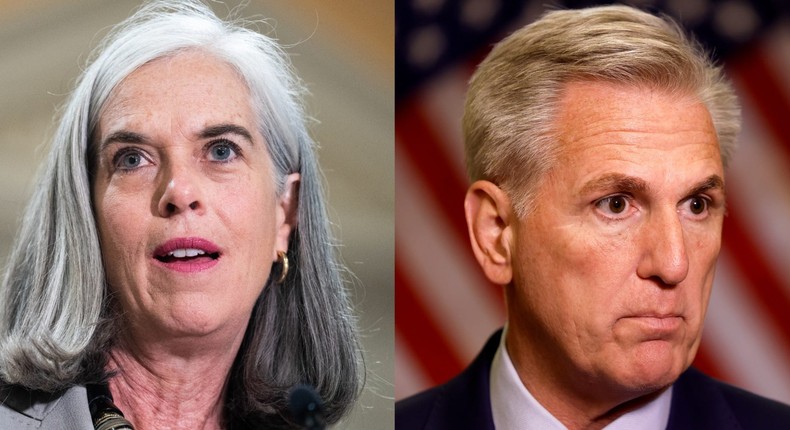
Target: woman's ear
(489, 216)
(287, 212)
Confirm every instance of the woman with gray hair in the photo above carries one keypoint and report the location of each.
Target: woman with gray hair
(174, 268)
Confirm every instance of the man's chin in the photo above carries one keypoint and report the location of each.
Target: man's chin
(654, 366)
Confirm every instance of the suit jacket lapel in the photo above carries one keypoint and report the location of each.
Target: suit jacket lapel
(697, 403)
(465, 401)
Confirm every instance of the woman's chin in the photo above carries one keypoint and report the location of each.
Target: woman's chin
(193, 322)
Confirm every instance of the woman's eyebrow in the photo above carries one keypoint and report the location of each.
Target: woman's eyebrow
(122, 136)
(126, 136)
(220, 129)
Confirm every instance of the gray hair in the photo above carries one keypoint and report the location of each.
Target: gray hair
(54, 296)
(513, 95)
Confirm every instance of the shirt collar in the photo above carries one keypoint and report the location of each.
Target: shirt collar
(513, 407)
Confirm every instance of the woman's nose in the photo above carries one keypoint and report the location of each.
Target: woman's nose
(182, 191)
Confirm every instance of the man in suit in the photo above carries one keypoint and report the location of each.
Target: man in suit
(596, 141)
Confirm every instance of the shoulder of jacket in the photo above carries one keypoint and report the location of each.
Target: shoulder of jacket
(24, 408)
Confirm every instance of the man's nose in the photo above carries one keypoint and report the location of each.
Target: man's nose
(664, 256)
(180, 189)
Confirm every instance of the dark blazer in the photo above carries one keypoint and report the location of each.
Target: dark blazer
(698, 402)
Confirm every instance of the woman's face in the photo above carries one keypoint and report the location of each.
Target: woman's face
(188, 216)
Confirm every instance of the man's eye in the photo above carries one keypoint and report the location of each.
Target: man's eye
(698, 205)
(613, 205)
(617, 204)
(223, 151)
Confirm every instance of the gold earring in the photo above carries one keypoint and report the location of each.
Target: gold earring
(282, 258)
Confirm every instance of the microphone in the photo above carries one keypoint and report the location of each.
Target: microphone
(104, 414)
(306, 407)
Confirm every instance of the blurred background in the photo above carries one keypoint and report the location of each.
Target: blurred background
(446, 309)
(341, 49)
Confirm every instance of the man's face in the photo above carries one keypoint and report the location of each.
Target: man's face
(613, 268)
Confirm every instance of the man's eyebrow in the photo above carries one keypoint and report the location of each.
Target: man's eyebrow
(615, 182)
(220, 129)
(712, 182)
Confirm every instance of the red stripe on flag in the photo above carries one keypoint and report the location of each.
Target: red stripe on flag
(753, 72)
(706, 362)
(764, 284)
(421, 333)
(420, 143)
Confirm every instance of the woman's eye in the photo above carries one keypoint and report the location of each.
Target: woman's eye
(129, 159)
(223, 151)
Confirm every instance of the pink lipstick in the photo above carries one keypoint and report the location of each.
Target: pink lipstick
(187, 254)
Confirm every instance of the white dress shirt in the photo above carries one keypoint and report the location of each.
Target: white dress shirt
(514, 408)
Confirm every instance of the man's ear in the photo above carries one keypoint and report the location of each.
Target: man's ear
(489, 216)
(287, 210)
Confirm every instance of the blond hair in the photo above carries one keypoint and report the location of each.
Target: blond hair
(513, 96)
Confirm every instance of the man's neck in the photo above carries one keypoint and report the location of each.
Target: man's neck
(586, 420)
(576, 409)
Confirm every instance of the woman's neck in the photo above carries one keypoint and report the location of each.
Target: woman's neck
(156, 389)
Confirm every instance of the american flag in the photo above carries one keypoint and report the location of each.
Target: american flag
(446, 309)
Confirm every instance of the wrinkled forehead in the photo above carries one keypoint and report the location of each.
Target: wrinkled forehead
(605, 126)
(598, 112)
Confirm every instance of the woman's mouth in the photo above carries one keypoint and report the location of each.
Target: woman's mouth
(189, 254)
(183, 254)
